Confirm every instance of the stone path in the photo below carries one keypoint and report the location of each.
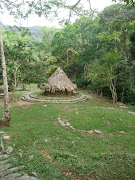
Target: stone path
(67, 124)
(7, 171)
(31, 98)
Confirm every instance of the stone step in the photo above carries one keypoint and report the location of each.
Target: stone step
(11, 176)
(3, 156)
(3, 162)
(10, 171)
(30, 98)
(4, 167)
(26, 177)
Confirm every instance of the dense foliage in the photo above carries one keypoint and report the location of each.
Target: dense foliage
(97, 52)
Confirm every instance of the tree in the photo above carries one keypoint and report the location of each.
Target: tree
(5, 121)
(132, 2)
(15, 8)
(104, 72)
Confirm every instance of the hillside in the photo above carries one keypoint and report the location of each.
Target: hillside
(36, 31)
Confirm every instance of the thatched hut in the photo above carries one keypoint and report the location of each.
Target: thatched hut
(59, 82)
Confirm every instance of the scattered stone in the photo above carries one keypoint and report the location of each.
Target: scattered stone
(11, 176)
(83, 131)
(31, 157)
(45, 105)
(104, 107)
(97, 132)
(33, 174)
(73, 142)
(122, 132)
(109, 108)
(2, 132)
(120, 104)
(5, 167)
(125, 107)
(3, 156)
(1, 145)
(131, 112)
(9, 150)
(109, 122)
(90, 132)
(20, 155)
(68, 174)
(6, 137)
(68, 124)
(46, 141)
(77, 113)
(35, 143)
(26, 177)
(3, 162)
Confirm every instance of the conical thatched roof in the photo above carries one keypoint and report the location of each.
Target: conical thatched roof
(59, 81)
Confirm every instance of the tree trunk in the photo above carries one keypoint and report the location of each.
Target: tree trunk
(12, 96)
(113, 90)
(67, 57)
(15, 82)
(5, 121)
(122, 96)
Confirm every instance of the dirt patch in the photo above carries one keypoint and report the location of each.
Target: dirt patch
(46, 155)
(101, 136)
(26, 106)
(109, 122)
(56, 123)
(65, 108)
(73, 175)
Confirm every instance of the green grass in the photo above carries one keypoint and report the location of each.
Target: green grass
(60, 153)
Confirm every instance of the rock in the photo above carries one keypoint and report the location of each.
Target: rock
(2, 132)
(4, 156)
(45, 105)
(1, 145)
(31, 157)
(9, 150)
(33, 174)
(122, 132)
(124, 107)
(109, 122)
(90, 132)
(68, 174)
(109, 108)
(131, 112)
(46, 141)
(120, 104)
(73, 142)
(97, 132)
(6, 137)
(77, 113)
(68, 124)
(20, 155)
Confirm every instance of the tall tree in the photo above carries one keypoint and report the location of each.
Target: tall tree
(5, 121)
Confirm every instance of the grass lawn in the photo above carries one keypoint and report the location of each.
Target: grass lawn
(56, 152)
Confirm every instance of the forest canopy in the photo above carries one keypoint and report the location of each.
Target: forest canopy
(97, 52)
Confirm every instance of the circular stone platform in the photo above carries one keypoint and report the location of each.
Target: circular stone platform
(32, 98)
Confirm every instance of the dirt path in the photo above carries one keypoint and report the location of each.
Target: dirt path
(17, 103)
